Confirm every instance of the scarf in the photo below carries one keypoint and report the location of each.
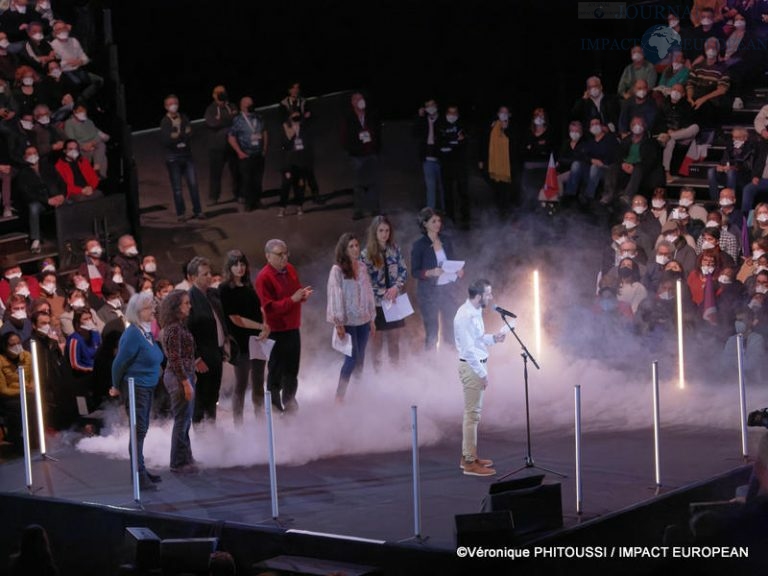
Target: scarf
(498, 155)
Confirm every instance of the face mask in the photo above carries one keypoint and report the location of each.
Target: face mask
(56, 72)
(37, 37)
(637, 56)
(637, 129)
(43, 6)
(629, 224)
(82, 285)
(96, 252)
(88, 326)
(147, 291)
(724, 279)
(738, 144)
(117, 279)
(23, 292)
(706, 21)
(575, 136)
(19, 314)
(756, 254)
(49, 287)
(595, 130)
(49, 268)
(15, 350)
(78, 303)
(431, 110)
(666, 295)
(760, 269)
(146, 326)
(27, 81)
(627, 254)
(73, 154)
(21, 9)
(82, 116)
(762, 218)
(641, 93)
(503, 116)
(707, 245)
(361, 104)
(33, 159)
(4, 43)
(639, 209)
(115, 302)
(150, 267)
(132, 251)
(707, 270)
(760, 289)
(755, 305)
(621, 240)
(62, 36)
(451, 118)
(13, 276)
(675, 96)
(45, 329)
(670, 237)
(658, 203)
(726, 202)
(711, 53)
(677, 215)
(740, 326)
(594, 92)
(661, 259)
(740, 24)
(44, 120)
(215, 285)
(539, 121)
(27, 125)
(173, 108)
(712, 224)
(674, 23)
(685, 202)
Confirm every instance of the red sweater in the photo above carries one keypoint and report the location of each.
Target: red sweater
(275, 290)
(64, 169)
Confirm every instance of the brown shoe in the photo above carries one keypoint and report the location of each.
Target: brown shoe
(481, 461)
(476, 469)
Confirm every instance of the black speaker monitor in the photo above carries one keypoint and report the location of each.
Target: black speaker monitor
(533, 509)
(487, 529)
(179, 555)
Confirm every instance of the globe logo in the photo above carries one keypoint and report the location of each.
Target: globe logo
(599, 12)
(658, 41)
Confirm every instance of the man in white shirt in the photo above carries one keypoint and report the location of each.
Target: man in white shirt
(73, 60)
(472, 344)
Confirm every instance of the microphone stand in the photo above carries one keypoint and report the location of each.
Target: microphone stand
(529, 463)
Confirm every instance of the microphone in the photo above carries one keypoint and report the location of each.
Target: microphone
(503, 312)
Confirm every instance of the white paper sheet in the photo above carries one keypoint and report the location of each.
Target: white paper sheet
(397, 310)
(260, 349)
(450, 269)
(343, 345)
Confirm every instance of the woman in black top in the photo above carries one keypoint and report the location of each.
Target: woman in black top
(245, 319)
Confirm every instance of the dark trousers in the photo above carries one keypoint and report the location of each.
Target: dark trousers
(437, 311)
(455, 184)
(297, 180)
(251, 174)
(244, 367)
(181, 446)
(366, 192)
(144, 397)
(283, 368)
(183, 167)
(207, 390)
(218, 158)
(353, 364)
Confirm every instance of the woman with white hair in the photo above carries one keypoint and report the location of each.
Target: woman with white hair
(139, 357)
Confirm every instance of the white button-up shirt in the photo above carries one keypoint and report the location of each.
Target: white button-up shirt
(471, 340)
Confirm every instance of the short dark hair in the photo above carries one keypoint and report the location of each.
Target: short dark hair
(477, 288)
(194, 265)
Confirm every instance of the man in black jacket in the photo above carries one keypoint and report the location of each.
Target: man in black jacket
(452, 140)
(361, 138)
(39, 185)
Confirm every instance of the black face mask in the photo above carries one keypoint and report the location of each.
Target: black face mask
(223, 97)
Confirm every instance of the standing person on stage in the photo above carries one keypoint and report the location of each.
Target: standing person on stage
(243, 310)
(281, 296)
(179, 376)
(218, 118)
(472, 345)
(435, 300)
(361, 138)
(351, 306)
(139, 357)
(248, 138)
(386, 267)
(209, 329)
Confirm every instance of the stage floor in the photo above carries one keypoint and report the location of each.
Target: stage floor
(371, 496)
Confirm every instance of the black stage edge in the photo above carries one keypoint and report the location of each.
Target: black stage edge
(89, 540)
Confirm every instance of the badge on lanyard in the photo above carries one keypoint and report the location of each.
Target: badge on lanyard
(365, 136)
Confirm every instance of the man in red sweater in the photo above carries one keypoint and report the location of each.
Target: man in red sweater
(281, 296)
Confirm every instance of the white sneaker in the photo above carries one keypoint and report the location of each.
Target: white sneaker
(35, 247)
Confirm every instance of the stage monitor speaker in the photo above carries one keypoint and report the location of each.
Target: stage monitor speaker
(143, 548)
(182, 555)
(516, 484)
(488, 529)
(533, 509)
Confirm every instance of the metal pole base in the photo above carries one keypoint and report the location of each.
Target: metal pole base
(529, 463)
(47, 458)
(416, 539)
(281, 522)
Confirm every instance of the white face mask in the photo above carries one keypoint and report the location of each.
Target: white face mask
(738, 143)
(361, 104)
(56, 72)
(637, 56)
(538, 121)
(82, 285)
(596, 129)
(621, 240)
(661, 259)
(37, 37)
(4, 43)
(724, 279)
(63, 36)
(431, 110)
(627, 254)
(88, 325)
(173, 108)
(760, 269)
(81, 116)
(658, 203)
(452, 118)
(594, 92)
(147, 291)
(45, 329)
(19, 314)
(711, 53)
(760, 289)
(117, 278)
(677, 66)
(27, 81)
(762, 218)
(115, 302)
(73, 154)
(215, 285)
(670, 237)
(726, 202)
(641, 93)
(675, 96)
(666, 295)
(503, 116)
(756, 255)
(639, 209)
(23, 292)
(49, 287)
(132, 251)
(706, 21)
(33, 159)
(27, 125)
(707, 245)
(575, 136)
(21, 9)
(13, 275)
(637, 129)
(78, 303)
(96, 252)
(707, 270)
(629, 224)
(685, 202)
(150, 267)
(740, 24)
(15, 350)
(44, 120)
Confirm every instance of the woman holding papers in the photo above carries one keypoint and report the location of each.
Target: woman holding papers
(431, 258)
(386, 268)
(243, 310)
(351, 306)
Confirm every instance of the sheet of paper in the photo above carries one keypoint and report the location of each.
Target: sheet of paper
(343, 345)
(260, 349)
(397, 310)
(450, 269)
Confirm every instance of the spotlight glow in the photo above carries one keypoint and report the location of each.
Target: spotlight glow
(38, 396)
(680, 353)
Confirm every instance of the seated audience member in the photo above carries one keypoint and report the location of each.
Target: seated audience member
(58, 92)
(639, 167)
(655, 269)
(117, 279)
(707, 84)
(639, 69)
(739, 55)
(727, 242)
(572, 161)
(94, 268)
(691, 228)
(631, 290)
(129, 260)
(113, 308)
(750, 263)
(736, 219)
(659, 208)
(47, 138)
(82, 345)
(147, 270)
(676, 125)
(639, 105)
(683, 252)
(602, 152)
(708, 266)
(676, 72)
(12, 275)
(12, 357)
(92, 141)
(77, 299)
(688, 201)
(735, 167)
(25, 92)
(74, 60)
(710, 240)
(16, 20)
(50, 361)
(648, 227)
(759, 228)
(79, 177)
(628, 259)
(706, 26)
(52, 292)
(759, 174)
(730, 297)
(17, 319)
(657, 314)
(612, 252)
(37, 51)
(595, 103)
(8, 62)
(38, 186)
(644, 245)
